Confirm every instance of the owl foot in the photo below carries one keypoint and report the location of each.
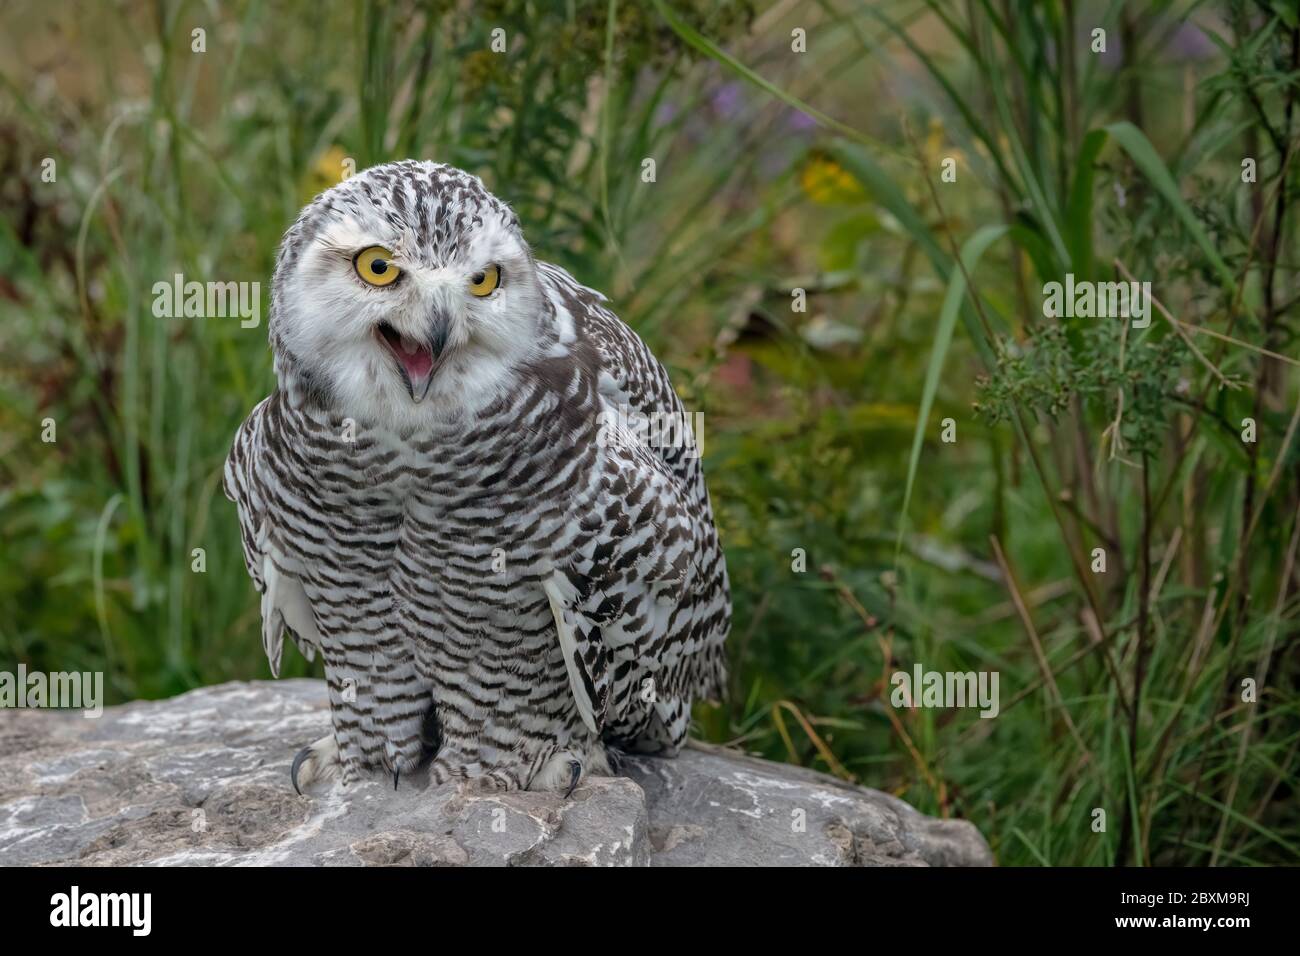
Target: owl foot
(615, 760)
(407, 745)
(443, 770)
(561, 772)
(315, 763)
(564, 770)
(494, 781)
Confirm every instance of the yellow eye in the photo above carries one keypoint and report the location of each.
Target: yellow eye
(482, 283)
(375, 265)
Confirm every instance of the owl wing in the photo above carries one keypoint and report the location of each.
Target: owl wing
(284, 602)
(654, 588)
(631, 377)
(621, 601)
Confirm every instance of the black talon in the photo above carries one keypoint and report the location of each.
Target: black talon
(615, 761)
(575, 771)
(397, 775)
(293, 769)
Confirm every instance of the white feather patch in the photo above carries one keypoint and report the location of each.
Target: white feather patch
(284, 602)
(272, 622)
(555, 586)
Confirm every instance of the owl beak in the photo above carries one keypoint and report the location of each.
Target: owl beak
(419, 388)
(417, 361)
(439, 327)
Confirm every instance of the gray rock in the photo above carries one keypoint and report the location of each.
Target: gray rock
(203, 778)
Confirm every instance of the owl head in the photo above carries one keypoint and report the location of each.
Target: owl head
(404, 294)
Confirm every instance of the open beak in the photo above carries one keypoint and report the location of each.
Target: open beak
(417, 360)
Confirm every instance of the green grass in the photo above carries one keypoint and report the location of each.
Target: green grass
(1120, 691)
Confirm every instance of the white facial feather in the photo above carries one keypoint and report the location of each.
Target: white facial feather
(326, 317)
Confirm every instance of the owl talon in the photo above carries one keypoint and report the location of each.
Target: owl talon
(397, 775)
(575, 774)
(314, 763)
(302, 755)
(615, 761)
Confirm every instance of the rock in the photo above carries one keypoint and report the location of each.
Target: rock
(203, 778)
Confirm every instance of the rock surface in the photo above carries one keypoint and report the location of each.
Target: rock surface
(203, 779)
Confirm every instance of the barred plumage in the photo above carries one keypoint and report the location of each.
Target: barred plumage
(502, 575)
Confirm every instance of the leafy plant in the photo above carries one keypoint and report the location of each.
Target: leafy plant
(859, 542)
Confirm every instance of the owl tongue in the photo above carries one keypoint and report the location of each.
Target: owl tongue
(415, 357)
(418, 360)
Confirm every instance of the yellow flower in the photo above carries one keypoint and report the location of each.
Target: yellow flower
(934, 141)
(330, 169)
(826, 182)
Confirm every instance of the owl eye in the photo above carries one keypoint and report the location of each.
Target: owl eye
(375, 266)
(482, 283)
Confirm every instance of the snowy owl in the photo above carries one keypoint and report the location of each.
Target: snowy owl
(451, 496)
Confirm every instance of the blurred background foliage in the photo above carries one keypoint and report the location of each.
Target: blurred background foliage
(859, 542)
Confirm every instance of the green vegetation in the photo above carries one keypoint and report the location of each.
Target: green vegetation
(776, 172)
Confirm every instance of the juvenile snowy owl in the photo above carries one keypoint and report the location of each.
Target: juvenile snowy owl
(446, 497)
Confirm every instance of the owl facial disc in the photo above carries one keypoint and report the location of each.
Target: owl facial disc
(406, 296)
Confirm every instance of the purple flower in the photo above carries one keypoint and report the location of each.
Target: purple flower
(797, 121)
(1189, 43)
(727, 99)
